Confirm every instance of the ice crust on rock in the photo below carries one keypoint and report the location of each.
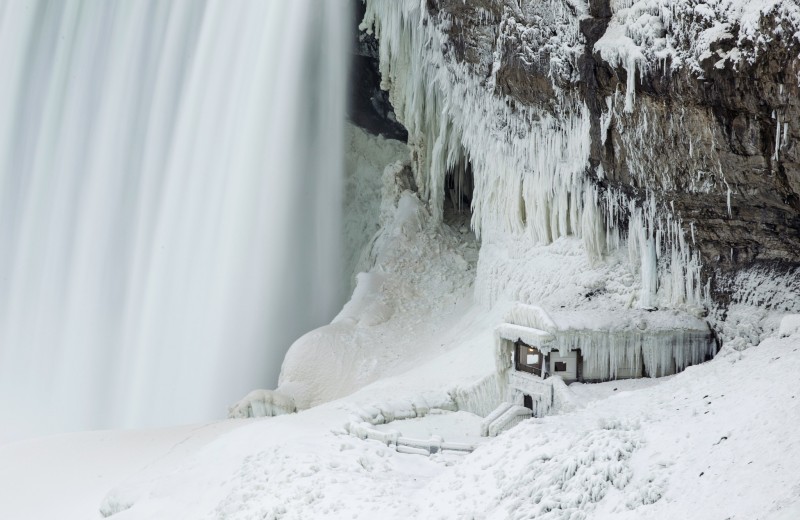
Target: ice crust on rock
(367, 156)
(529, 166)
(683, 33)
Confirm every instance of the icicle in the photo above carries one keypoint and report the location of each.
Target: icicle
(528, 167)
(729, 200)
(649, 273)
(785, 130)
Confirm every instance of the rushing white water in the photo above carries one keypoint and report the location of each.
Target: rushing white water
(169, 203)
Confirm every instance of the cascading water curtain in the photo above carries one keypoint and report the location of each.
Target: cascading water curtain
(170, 199)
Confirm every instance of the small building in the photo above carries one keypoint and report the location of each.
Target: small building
(533, 345)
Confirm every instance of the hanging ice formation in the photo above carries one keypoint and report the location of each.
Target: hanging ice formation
(528, 166)
(169, 208)
(665, 343)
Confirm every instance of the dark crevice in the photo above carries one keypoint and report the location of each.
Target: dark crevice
(459, 185)
(368, 106)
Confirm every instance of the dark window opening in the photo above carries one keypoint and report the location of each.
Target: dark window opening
(527, 401)
(528, 359)
(561, 366)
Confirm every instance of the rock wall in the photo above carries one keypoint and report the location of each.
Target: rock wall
(693, 106)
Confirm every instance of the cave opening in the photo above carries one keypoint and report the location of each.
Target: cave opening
(459, 184)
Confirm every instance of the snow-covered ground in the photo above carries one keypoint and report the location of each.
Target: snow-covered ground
(719, 440)
(416, 341)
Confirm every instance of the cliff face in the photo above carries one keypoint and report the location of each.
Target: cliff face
(693, 106)
(706, 128)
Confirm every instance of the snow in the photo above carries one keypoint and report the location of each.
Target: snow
(513, 333)
(716, 441)
(790, 324)
(760, 298)
(624, 448)
(366, 158)
(529, 166)
(618, 49)
(612, 343)
(418, 270)
(262, 403)
(635, 451)
(68, 476)
(463, 427)
(684, 32)
(412, 354)
(640, 452)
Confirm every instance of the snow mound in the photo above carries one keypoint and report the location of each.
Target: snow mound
(416, 268)
(559, 477)
(789, 325)
(262, 403)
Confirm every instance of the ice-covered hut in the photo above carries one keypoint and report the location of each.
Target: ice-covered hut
(602, 345)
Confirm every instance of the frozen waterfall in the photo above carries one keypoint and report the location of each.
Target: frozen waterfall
(170, 178)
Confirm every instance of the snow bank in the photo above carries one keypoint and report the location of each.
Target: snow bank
(418, 269)
(789, 325)
(709, 442)
(717, 440)
(760, 298)
(262, 403)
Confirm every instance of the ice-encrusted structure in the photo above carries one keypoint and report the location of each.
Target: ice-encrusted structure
(529, 165)
(664, 341)
(262, 403)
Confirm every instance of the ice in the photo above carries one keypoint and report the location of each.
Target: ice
(664, 342)
(505, 418)
(482, 397)
(417, 335)
(262, 403)
(414, 268)
(624, 449)
(528, 166)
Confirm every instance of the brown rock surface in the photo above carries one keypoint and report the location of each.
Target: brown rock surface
(710, 132)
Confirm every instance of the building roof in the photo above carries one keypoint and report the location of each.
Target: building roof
(527, 335)
(633, 320)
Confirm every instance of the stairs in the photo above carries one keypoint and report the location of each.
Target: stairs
(504, 417)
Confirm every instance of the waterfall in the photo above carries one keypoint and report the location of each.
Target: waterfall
(170, 203)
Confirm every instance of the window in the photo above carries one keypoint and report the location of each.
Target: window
(561, 366)
(528, 359)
